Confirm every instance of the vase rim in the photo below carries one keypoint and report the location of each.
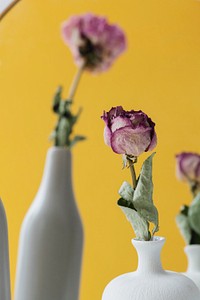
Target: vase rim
(192, 246)
(59, 149)
(156, 239)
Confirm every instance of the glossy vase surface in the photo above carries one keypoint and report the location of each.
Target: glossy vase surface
(51, 238)
(193, 256)
(150, 281)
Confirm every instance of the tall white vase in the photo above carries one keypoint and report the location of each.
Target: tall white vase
(51, 238)
(150, 281)
(193, 256)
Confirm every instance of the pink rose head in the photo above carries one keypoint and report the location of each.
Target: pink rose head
(188, 166)
(94, 43)
(129, 132)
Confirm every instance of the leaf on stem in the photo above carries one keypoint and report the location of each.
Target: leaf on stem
(139, 224)
(76, 117)
(64, 127)
(194, 214)
(126, 203)
(62, 133)
(183, 224)
(148, 211)
(126, 191)
(76, 139)
(138, 204)
(57, 100)
(144, 188)
(142, 199)
(195, 240)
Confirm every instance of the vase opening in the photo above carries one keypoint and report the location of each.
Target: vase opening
(149, 254)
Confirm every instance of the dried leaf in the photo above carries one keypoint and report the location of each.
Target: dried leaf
(194, 214)
(139, 224)
(126, 191)
(184, 226)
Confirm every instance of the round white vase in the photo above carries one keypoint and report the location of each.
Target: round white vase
(193, 256)
(150, 281)
(51, 238)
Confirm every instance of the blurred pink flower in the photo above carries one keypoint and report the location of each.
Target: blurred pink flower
(188, 166)
(94, 43)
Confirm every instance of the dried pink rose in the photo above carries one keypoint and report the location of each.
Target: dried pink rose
(188, 166)
(94, 43)
(129, 132)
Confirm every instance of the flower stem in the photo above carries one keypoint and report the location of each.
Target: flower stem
(75, 82)
(8, 9)
(132, 169)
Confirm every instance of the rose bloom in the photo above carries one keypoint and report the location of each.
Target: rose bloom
(129, 132)
(94, 43)
(188, 166)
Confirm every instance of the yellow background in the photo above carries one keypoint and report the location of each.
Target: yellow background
(159, 73)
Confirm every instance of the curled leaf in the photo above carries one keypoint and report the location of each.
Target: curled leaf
(139, 224)
(126, 191)
(148, 211)
(125, 203)
(144, 188)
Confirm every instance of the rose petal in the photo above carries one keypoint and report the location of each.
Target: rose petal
(179, 171)
(130, 141)
(107, 136)
(197, 173)
(153, 143)
(120, 122)
(113, 113)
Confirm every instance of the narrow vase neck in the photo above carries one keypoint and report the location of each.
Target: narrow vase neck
(57, 171)
(149, 255)
(193, 255)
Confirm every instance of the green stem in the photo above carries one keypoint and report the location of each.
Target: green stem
(75, 83)
(133, 174)
(8, 9)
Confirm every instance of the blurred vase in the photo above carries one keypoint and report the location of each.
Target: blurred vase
(150, 281)
(193, 256)
(4, 256)
(51, 238)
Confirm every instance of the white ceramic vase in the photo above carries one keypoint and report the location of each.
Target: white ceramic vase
(150, 281)
(193, 256)
(51, 238)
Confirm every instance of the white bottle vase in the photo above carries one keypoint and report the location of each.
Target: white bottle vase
(193, 256)
(150, 281)
(51, 238)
